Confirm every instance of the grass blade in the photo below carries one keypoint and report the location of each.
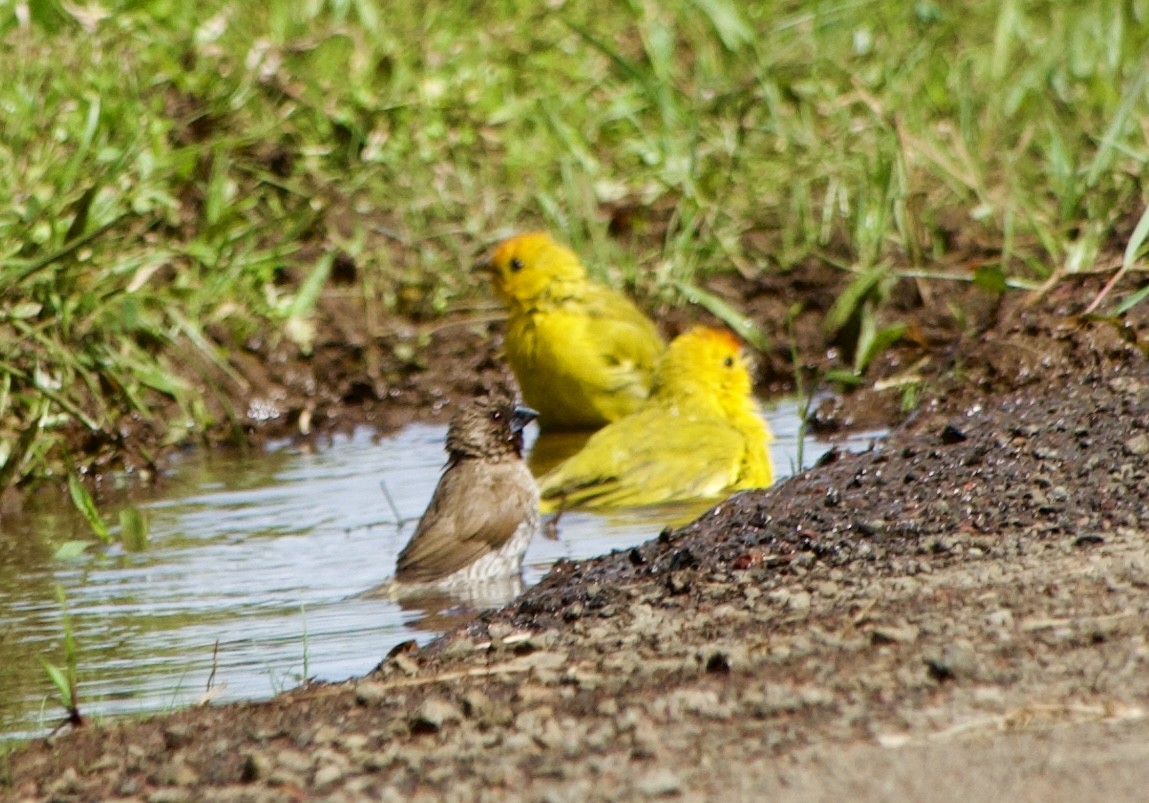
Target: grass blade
(1105, 151)
(726, 313)
(83, 502)
(1136, 240)
(1132, 301)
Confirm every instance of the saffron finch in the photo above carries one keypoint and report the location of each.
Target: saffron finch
(698, 436)
(582, 353)
(485, 508)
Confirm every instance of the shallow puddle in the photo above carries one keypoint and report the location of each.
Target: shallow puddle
(256, 575)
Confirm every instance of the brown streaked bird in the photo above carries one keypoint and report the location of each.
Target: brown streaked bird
(485, 508)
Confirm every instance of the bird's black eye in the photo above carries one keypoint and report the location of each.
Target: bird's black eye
(516, 265)
(728, 362)
(496, 415)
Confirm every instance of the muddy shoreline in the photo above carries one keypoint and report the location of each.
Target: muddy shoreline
(958, 613)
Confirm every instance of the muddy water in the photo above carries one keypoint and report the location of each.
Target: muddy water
(256, 573)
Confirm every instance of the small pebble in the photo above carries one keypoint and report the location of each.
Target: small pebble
(432, 715)
(1138, 445)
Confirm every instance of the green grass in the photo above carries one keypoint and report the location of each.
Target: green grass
(66, 680)
(165, 165)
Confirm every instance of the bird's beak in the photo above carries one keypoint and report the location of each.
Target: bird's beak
(485, 265)
(521, 417)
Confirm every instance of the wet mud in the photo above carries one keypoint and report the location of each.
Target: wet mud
(959, 613)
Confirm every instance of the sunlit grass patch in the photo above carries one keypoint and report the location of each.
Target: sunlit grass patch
(179, 177)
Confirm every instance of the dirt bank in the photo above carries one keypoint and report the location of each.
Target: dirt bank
(959, 614)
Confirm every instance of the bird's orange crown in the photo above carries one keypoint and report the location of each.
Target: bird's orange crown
(708, 364)
(721, 340)
(528, 265)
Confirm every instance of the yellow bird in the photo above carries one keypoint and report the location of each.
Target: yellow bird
(582, 353)
(699, 436)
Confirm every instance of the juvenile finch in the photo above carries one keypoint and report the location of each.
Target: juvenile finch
(699, 436)
(485, 508)
(582, 353)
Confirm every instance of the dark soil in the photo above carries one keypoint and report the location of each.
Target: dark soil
(957, 614)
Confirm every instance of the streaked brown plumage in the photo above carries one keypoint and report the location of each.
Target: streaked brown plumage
(485, 508)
